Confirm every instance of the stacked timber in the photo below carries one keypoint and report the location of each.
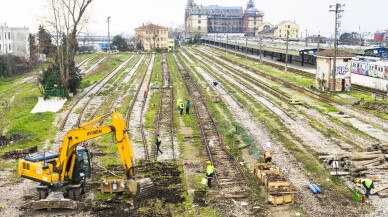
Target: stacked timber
(383, 147)
(371, 165)
(355, 164)
(278, 189)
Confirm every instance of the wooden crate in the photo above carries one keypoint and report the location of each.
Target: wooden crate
(262, 169)
(274, 178)
(278, 186)
(280, 198)
(112, 185)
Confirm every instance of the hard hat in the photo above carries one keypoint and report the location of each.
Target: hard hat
(208, 162)
(357, 181)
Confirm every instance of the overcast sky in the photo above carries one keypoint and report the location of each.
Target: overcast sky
(126, 15)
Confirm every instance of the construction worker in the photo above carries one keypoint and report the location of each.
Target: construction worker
(146, 90)
(209, 173)
(267, 157)
(181, 107)
(368, 185)
(157, 143)
(188, 104)
(178, 103)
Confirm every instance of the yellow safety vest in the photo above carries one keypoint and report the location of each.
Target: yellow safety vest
(367, 182)
(210, 169)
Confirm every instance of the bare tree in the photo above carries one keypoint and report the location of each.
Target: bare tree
(67, 19)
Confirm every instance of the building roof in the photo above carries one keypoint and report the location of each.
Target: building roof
(330, 53)
(286, 21)
(252, 11)
(316, 37)
(267, 31)
(216, 7)
(151, 26)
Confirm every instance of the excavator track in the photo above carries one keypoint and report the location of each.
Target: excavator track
(55, 200)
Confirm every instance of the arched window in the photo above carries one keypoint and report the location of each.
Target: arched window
(199, 27)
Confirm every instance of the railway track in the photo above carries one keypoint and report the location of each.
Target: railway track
(165, 117)
(262, 85)
(229, 177)
(83, 62)
(361, 115)
(135, 114)
(233, 78)
(72, 118)
(310, 75)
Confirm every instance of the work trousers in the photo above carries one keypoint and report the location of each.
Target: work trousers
(187, 110)
(209, 179)
(158, 149)
(368, 190)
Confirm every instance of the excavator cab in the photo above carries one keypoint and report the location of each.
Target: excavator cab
(82, 168)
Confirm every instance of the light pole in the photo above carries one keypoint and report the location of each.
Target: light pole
(337, 11)
(319, 39)
(261, 45)
(235, 44)
(226, 47)
(306, 37)
(246, 47)
(108, 21)
(288, 33)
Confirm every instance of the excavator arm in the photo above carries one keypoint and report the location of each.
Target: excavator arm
(86, 132)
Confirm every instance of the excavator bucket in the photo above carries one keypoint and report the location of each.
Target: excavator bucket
(55, 200)
(140, 189)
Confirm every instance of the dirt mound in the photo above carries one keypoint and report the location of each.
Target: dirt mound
(11, 139)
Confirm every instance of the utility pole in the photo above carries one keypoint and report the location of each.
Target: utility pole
(338, 12)
(288, 34)
(306, 37)
(261, 43)
(246, 47)
(319, 39)
(108, 21)
(235, 44)
(226, 47)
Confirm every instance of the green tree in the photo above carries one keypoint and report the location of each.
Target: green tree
(44, 41)
(120, 42)
(68, 17)
(33, 47)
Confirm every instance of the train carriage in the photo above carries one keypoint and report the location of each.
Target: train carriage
(370, 67)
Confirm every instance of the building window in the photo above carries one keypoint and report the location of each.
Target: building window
(199, 16)
(9, 47)
(9, 35)
(254, 23)
(199, 21)
(199, 27)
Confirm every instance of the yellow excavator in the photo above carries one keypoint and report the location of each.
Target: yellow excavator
(62, 176)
